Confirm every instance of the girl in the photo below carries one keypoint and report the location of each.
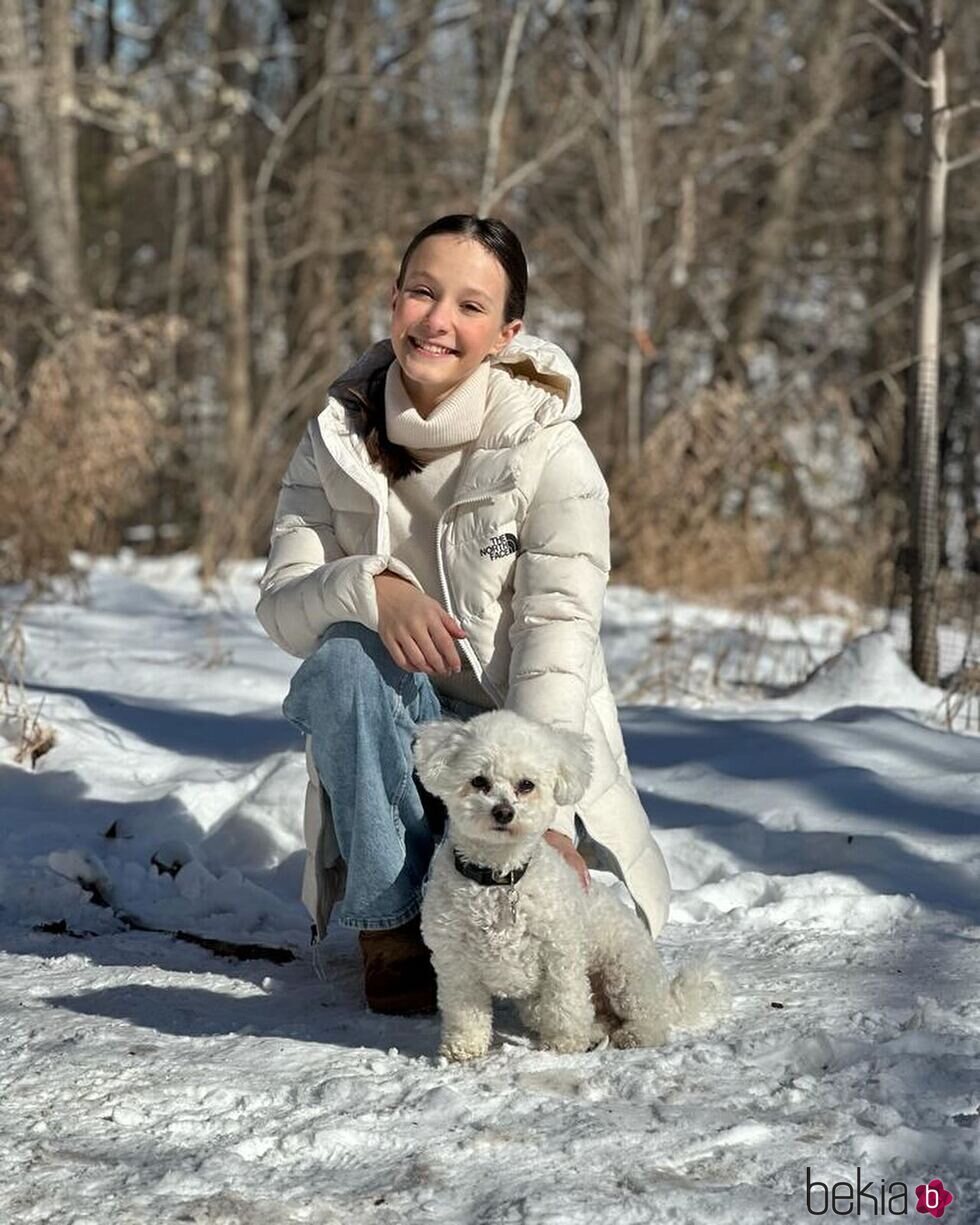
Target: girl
(441, 547)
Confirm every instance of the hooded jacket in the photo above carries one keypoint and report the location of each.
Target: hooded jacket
(523, 559)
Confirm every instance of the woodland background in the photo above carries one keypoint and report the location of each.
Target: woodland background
(203, 205)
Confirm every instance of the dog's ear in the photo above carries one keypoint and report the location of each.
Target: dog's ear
(573, 766)
(434, 748)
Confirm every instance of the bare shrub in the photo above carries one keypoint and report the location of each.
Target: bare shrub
(20, 723)
(730, 495)
(961, 705)
(87, 436)
(36, 738)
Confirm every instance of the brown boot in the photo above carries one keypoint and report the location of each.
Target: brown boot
(398, 974)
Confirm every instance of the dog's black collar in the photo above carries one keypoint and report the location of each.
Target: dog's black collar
(487, 876)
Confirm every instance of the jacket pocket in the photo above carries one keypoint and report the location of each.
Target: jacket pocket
(480, 552)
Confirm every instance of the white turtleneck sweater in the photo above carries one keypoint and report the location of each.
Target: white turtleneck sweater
(416, 501)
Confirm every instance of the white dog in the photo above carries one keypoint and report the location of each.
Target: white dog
(505, 915)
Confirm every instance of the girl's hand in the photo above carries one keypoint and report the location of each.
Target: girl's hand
(416, 629)
(566, 848)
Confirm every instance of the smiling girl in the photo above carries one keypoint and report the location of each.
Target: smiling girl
(441, 547)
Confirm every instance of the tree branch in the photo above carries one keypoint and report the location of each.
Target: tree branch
(504, 86)
(903, 25)
(861, 40)
(971, 104)
(595, 266)
(966, 160)
(558, 145)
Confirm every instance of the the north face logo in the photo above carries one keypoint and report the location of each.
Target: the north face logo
(500, 546)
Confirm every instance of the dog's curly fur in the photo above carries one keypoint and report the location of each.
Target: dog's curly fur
(578, 964)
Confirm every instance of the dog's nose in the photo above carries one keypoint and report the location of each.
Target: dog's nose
(502, 813)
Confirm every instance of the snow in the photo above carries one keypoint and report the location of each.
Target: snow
(824, 843)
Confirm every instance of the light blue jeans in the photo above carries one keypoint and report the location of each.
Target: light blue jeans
(361, 711)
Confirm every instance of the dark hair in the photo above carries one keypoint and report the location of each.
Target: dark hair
(502, 243)
(394, 460)
(495, 237)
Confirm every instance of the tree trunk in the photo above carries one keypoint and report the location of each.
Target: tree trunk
(625, 44)
(223, 512)
(636, 271)
(923, 427)
(971, 464)
(44, 123)
(59, 88)
(314, 315)
(238, 382)
(889, 187)
(766, 254)
(495, 121)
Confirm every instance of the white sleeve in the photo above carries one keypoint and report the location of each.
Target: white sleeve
(309, 583)
(560, 579)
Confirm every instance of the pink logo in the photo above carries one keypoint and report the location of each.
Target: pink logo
(933, 1198)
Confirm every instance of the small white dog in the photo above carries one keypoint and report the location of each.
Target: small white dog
(505, 915)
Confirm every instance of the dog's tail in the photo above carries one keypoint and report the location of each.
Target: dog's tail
(698, 994)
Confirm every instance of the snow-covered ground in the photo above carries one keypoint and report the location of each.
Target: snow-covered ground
(824, 844)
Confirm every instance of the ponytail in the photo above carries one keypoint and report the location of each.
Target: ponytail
(394, 460)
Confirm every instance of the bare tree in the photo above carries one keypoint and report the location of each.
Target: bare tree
(890, 96)
(922, 426)
(768, 246)
(42, 101)
(924, 429)
(621, 48)
(495, 122)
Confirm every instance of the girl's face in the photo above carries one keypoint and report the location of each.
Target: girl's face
(447, 316)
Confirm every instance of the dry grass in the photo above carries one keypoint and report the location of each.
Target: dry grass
(80, 438)
(688, 517)
(88, 434)
(35, 739)
(20, 723)
(962, 700)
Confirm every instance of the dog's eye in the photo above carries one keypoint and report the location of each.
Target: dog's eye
(480, 782)
(524, 786)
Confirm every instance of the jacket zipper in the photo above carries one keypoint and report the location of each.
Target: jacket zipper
(464, 644)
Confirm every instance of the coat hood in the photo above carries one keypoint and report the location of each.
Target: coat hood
(546, 365)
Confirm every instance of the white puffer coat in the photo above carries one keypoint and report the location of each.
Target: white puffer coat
(523, 554)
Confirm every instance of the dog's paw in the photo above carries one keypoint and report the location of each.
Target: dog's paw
(460, 1048)
(600, 1030)
(568, 1043)
(631, 1036)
